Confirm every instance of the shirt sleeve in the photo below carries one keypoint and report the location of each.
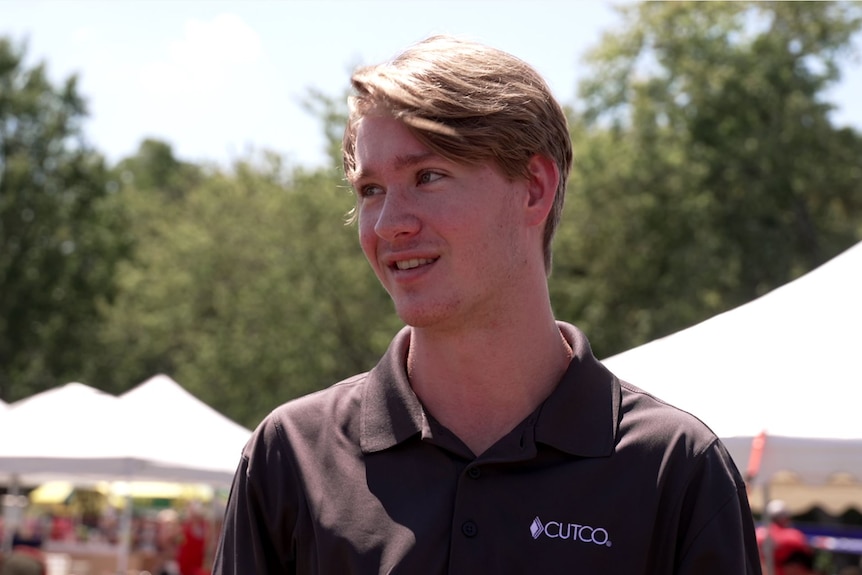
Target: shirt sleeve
(719, 535)
(257, 535)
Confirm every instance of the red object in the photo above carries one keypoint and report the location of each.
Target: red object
(190, 554)
(754, 459)
(785, 540)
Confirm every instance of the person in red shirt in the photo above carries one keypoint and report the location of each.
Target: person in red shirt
(785, 540)
(190, 553)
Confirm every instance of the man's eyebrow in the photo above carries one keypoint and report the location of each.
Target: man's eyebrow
(400, 162)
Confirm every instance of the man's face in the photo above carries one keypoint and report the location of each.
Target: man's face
(446, 240)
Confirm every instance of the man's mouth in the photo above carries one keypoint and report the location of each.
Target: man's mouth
(414, 263)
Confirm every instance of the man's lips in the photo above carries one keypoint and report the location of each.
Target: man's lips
(412, 263)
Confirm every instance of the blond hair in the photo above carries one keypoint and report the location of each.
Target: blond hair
(469, 103)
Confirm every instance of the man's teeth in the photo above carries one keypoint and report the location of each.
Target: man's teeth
(410, 264)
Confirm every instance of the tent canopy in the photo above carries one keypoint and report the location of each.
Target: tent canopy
(59, 492)
(155, 432)
(788, 364)
(182, 431)
(69, 430)
(75, 431)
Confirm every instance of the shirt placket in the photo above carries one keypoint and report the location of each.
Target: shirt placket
(473, 533)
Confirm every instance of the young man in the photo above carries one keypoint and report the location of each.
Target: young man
(488, 439)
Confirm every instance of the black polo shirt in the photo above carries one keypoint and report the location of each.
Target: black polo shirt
(601, 479)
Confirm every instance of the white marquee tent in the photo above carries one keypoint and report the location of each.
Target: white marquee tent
(184, 433)
(72, 430)
(786, 367)
(157, 432)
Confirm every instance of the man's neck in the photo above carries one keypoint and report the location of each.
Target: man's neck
(482, 383)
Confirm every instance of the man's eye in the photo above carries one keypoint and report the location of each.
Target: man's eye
(428, 177)
(370, 190)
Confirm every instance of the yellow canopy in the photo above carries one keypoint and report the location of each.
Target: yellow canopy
(58, 492)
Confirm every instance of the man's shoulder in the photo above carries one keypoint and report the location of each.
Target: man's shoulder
(661, 422)
(683, 447)
(341, 395)
(334, 406)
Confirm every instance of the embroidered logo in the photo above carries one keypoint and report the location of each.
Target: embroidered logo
(536, 528)
(570, 531)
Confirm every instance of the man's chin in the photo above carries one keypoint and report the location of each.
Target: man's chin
(417, 318)
(427, 318)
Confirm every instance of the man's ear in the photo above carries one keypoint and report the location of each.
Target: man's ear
(544, 177)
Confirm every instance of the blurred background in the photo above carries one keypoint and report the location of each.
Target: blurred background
(171, 199)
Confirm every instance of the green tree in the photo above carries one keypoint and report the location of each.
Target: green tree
(61, 231)
(708, 171)
(156, 169)
(248, 288)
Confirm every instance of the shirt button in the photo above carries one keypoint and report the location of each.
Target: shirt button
(469, 528)
(474, 473)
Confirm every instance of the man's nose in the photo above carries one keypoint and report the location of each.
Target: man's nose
(398, 217)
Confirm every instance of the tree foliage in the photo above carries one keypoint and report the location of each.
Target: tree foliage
(708, 170)
(249, 289)
(61, 232)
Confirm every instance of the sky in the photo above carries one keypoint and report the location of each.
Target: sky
(222, 79)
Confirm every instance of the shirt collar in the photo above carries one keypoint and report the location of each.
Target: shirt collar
(580, 417)
(391, 412)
